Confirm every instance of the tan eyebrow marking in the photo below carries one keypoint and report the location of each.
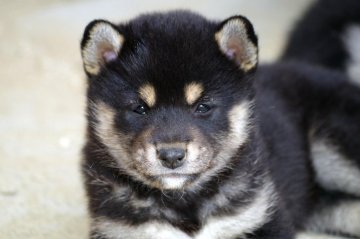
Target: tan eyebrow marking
(147, 94)
(193, 92)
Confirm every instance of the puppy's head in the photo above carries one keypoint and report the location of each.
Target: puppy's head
(170, 95)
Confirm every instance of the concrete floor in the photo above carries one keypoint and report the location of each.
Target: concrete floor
(42, 100)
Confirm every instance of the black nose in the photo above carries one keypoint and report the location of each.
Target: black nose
(172, 157)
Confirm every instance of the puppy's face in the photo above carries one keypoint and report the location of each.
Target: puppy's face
(170, 95)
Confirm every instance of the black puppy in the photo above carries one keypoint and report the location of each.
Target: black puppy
(187, 139)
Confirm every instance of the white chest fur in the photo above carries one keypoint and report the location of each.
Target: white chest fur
(245, 220)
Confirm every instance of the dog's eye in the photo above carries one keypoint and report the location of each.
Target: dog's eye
(202, 108)
(141, 110)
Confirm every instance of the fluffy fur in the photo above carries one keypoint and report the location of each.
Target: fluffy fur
(328, 35)
(238, 139)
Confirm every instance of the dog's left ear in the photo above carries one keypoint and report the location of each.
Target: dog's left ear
(237, 40)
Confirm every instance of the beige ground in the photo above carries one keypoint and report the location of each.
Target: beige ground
(42, 101)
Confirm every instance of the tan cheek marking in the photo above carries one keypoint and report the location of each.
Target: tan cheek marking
(144, 153)
(240, 123)
(116, 142)
(193, 92)
(147, 94)
(137, 160)
(105, 115)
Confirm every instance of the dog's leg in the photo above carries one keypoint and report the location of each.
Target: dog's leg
(339, 216)
(335, 144)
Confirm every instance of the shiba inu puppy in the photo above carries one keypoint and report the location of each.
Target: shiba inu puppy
(187, 139)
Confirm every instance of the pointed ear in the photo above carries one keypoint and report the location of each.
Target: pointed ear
(100, 45)
(237, 40)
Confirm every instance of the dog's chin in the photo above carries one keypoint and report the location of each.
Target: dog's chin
(174, 181)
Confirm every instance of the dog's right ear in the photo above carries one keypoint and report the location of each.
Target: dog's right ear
(100, 45)
(238, 42)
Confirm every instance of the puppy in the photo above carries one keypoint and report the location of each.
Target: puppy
(188, 139)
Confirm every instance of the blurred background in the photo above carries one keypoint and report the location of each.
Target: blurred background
(42, 89)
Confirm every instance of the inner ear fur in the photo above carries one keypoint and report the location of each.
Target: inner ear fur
(100, 45)
(237, 40)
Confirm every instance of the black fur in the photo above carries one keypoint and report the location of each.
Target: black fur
(291, 101)
(318, 37)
